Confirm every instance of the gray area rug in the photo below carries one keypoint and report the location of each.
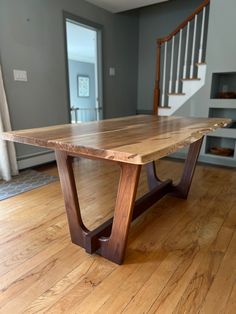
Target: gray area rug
(26, 181)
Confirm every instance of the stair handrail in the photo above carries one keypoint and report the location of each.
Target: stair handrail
(165, 39)
(184, 23)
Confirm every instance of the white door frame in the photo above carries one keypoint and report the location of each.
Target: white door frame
(99, 84)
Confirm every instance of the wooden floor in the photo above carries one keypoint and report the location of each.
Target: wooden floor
(187, 266)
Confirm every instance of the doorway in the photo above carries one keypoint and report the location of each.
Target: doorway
(84, 64)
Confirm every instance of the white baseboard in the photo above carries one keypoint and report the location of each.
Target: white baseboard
(32, 160)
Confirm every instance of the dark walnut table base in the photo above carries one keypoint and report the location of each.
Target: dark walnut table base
(110, 238)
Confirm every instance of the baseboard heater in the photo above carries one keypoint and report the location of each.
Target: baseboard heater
(36, 159)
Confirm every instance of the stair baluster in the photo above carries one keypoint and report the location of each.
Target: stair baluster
(164, 77)
(202, 35)
(171, 64)
(192, 38)
(186, 52)
(193, 47)
(178, 63)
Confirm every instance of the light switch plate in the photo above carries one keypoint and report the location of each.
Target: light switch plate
(20, 75)
(112, 71)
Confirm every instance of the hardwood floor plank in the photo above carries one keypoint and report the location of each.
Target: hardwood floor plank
(40, 279)
(27, 247)
(18, 272)
(231, 302)
(84, 278)
(196, 292)
(154, 254)
(224, 283)
(187, 238)
(186, 265)
(135, 257)
(202, 233)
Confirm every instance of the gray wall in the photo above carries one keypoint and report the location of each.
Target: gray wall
(156, 21)
(32, 39)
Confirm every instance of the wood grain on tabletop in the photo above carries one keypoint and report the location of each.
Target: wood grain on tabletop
(134, 139)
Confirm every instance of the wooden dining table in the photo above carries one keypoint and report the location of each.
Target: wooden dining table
(130, 142)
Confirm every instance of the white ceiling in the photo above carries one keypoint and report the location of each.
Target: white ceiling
(116, 6)
(81, 43)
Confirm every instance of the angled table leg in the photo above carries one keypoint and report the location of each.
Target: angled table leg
(110, 239)
(77, 229)
(113, 248)
(181, 190)
(152, 178)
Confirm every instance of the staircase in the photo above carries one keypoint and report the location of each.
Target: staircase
(181, 67)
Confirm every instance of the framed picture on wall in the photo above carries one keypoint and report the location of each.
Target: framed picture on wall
(83, 86)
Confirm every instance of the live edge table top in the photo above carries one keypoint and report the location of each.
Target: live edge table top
(133, 139)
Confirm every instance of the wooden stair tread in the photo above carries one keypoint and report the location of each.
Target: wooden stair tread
(176, 94)
(191, 79)
(201, 63)
(164, 107)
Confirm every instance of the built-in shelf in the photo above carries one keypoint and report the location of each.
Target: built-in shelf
(216, 144)
(223, 85)
(224, 113)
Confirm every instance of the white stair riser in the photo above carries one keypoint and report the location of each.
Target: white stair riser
(190, 87)
(202, 71)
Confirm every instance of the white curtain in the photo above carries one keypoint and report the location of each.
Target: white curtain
(8, 164)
